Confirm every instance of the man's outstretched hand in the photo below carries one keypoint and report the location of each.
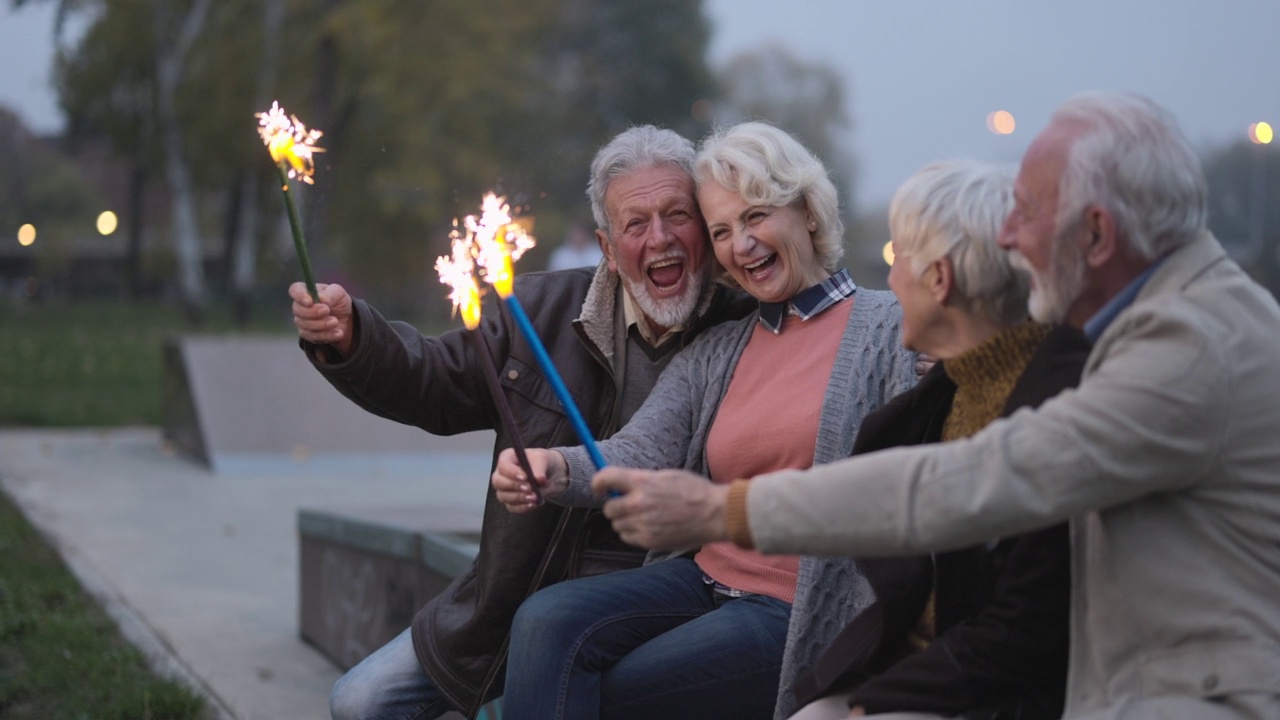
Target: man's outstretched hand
(663, 509)
(327, 321)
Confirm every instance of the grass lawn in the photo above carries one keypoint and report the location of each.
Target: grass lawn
(60, 655)
(95, 364)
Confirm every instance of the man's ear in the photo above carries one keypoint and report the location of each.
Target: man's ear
(606, 247)
(942, 279)
(1101, 240)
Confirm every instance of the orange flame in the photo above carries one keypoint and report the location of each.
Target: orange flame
(499, 241)
(289, 142)
(458, 272)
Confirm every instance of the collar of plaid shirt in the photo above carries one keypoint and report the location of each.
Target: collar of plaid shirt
(808, 302)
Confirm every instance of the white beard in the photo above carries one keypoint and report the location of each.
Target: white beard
(667, 312)
(1052, 295)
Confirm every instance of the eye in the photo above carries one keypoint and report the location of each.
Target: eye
(719, 234)
(756, 216)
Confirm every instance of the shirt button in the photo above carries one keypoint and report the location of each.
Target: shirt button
(512, 374)
(1210, 682)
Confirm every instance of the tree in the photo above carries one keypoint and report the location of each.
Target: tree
(606, 66)
(424, 107)
(172, 50)
(107, 90)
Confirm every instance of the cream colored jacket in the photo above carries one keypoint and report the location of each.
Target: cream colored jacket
(1166, 460)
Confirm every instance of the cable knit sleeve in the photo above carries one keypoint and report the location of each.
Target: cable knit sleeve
(670, 429)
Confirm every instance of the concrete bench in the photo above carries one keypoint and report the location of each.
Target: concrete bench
(365, 572)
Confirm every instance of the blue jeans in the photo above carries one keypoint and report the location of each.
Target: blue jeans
(655, 641)
(390, 684)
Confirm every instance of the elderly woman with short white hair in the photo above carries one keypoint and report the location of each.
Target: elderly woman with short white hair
(978, 632)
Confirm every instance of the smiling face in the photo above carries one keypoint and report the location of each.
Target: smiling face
(658, 244)
(768, 250)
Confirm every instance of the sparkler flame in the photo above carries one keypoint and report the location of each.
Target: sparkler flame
(491, 241)
(499, 241)
(289, 142)
(458, 272)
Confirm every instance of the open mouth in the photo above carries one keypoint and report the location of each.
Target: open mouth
(666, 274)
(760, 267)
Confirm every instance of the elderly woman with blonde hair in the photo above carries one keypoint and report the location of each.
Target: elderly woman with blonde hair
(702, 634)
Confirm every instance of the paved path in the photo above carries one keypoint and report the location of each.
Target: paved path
(200, 568)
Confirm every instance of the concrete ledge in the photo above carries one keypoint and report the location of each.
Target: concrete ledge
(365, 572)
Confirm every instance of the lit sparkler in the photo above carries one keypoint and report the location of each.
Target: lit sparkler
(501, 241)
(291, 146)
(458, 272)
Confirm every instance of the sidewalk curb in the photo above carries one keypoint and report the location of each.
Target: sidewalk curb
(159, 653)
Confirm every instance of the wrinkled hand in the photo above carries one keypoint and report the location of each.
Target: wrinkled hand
(327, 322)
(511, 487)
(857, 711)
(924, 363)
(663, 509)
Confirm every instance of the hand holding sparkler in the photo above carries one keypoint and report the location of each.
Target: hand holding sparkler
(291, 146)
(516, 482)
(458, 272)
(327, 320)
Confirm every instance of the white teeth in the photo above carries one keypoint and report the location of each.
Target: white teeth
(755, 266)
(664, 263)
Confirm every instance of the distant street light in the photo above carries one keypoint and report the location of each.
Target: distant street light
(887, 253)
(1001, 122)
(26, 234)
(107, 223)
(1260, 133)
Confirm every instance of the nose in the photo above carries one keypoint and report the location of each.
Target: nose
(660, 234)
(743, 242)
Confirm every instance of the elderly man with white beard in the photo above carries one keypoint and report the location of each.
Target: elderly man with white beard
(1165, 460)
(610, 330)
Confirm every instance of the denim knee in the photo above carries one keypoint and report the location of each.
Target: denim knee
(349, 698)
(541, 614)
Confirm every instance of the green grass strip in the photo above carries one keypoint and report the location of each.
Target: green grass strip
(61, 656)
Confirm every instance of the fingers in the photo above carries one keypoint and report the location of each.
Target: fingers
(511, 486)
(616, 480)
(663, 509)
(326, 322)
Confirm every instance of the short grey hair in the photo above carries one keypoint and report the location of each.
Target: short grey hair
(636, 148)
(769, 167)
(1133, 160)
(955, 209)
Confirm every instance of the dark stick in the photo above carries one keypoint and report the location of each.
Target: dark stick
(504, 410)
(296, 226)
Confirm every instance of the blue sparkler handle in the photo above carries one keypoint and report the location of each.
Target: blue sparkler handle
(557, 384)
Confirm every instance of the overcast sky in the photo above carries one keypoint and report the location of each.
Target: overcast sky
(922, 75)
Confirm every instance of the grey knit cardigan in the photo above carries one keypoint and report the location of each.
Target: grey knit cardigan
(670, 431)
